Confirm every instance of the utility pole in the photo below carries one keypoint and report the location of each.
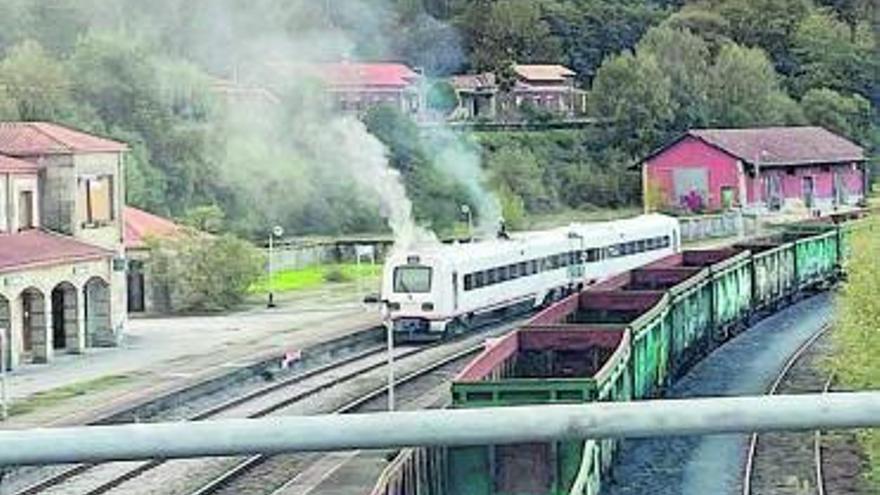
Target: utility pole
(277, 231)
(389, 331)
(466, 210)
(4, 397)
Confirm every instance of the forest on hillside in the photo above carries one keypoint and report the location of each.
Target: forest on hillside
(147, 72)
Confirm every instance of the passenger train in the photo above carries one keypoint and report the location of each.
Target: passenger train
(435, 291)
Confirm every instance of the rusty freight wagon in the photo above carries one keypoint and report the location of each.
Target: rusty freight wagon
(623, 339)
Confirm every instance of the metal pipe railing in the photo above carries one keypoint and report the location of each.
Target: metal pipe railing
(441, 427)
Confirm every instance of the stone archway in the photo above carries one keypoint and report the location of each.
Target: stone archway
(64, 317)
(6, 328)
(98, 325)
(35, 343)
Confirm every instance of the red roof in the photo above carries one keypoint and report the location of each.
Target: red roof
(34, 248)
(13, 165)
(383, 74)
(140, 224)
(43, 138)
(782, 145)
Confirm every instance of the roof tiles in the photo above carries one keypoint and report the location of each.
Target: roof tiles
(44, 138)
(13, 165)
(140, 224)
(35, 248)
(782, 145)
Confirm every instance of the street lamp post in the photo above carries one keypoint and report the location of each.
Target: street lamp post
(389, 335)
(277, 231)
(466, 210)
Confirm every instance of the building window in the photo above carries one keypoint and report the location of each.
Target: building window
(25, 210)
(97, 195)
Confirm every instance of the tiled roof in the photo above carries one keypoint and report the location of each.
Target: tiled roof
(14, 165)
(553, 72)
(34, 248)
(383, 74)
(140, 224)
(782, 145)
(44, 138)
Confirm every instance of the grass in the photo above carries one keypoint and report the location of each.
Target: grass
(857, 331)
(55, 396)
(316, 276)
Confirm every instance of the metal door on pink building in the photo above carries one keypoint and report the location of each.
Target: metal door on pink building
(809, 191)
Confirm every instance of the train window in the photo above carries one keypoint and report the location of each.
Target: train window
(650, 244)
(514, 271)
(641, 246)
(468, 282)
(534, 266)
(592, 255)
(479, 279)
(503, 274)
(666, 241)
(523, 269)
(412, 279)
(613, 251)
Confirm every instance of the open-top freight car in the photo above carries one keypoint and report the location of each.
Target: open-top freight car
(623, 339)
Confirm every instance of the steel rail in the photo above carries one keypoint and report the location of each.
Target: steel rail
(75, 471)
(774, 387)
(252, 462)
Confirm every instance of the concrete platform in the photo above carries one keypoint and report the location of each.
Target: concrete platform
(161, 354)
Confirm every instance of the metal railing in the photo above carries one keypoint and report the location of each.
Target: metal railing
(441, 427)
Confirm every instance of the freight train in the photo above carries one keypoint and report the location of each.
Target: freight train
(435, 291)
(623, 339)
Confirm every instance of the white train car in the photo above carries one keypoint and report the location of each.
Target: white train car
(437, 290)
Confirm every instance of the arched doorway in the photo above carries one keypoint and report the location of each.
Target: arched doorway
(99, 330)
(33, 313)
(64, 314)
(6, 328)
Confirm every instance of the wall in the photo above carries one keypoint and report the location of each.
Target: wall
(108, 236)
(44, 279)
(692, 154)
(791, 180)
(57, 192)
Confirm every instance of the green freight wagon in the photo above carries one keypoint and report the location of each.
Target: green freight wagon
(817, 259)
(559, 363)
(773, 272)
(689, 310)
(730, 271)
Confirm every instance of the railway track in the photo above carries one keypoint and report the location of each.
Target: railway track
(287, 394)
(790, 463)
(258, 403)
(297, 474)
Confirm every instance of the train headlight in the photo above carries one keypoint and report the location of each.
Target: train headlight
(427, 306)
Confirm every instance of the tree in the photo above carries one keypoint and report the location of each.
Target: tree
(591, 31)
(684, 59)
(37, 83)
(744, 91)
(634, 93)
(830, 55)
(501, 31)
(768, 24)
(709, 25)
(849, 116)
(207, 218)
(205, 273)
(515, 170)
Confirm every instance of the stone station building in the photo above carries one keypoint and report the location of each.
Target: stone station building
(62, 268)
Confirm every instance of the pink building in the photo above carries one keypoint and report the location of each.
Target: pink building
(805, 169)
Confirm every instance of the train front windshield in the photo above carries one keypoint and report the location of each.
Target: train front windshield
(412, 279)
